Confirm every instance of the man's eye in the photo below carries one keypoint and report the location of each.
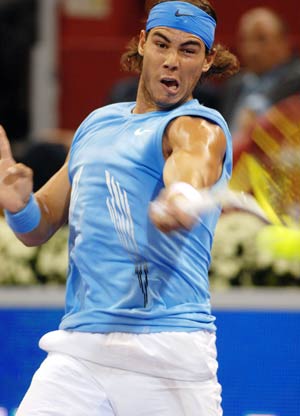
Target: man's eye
(161, 45)
(189, 51)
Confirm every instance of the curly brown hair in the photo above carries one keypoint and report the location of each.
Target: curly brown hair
(225, 63)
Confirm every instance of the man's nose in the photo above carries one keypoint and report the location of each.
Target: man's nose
(171, 60)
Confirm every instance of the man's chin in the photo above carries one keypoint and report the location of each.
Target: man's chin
(170, 104)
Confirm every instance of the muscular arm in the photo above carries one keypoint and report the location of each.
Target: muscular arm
(197, 151)
(194, 149)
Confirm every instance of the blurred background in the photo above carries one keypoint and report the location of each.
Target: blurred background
(59, 60)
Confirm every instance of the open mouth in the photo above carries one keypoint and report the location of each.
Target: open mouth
(171, 83)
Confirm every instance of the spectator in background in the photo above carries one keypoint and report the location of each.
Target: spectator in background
(287, 88)
(46, 154)
(266, 54)
(45, 159)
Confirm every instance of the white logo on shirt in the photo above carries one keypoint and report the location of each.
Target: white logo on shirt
(140, 131)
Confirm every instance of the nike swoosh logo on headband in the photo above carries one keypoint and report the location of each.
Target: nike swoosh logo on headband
(178, 14)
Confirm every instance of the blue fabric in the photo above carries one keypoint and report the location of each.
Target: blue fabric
(124, 274)
(183, 16)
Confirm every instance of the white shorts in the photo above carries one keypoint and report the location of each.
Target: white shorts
(75, 379)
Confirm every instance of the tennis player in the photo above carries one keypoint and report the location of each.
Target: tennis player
(137, 337)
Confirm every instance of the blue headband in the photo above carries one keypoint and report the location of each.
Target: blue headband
(183, 16)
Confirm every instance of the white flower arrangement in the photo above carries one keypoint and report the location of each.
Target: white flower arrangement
(237, 259)
(15, 258)
(52, 260)
(21, 265)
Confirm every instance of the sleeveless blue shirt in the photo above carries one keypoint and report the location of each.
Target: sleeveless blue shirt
(124, 274)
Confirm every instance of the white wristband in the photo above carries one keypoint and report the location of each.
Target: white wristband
(197, 202)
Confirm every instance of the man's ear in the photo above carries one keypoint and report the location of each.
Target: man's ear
(209, 60)
(142, 42)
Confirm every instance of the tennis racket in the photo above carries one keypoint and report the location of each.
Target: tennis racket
(266, 177)
(269, 167)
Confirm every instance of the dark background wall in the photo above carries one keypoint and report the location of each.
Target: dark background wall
(17, 37)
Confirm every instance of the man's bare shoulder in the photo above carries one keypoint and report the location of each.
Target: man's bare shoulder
(194, 128)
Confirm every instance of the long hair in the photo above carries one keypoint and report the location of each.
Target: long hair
(225, 63)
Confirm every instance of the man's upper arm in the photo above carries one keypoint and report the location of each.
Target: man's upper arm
(197, 148)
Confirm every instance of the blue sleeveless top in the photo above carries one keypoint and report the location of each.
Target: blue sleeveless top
(124, 274)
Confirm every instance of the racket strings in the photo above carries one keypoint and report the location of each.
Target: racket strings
(271, 169)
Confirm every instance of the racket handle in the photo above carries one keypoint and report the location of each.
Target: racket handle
(241, 201)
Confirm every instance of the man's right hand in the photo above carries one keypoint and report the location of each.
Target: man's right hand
(16, 179)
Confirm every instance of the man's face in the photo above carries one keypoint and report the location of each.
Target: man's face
(260, 43)
(173, 61)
